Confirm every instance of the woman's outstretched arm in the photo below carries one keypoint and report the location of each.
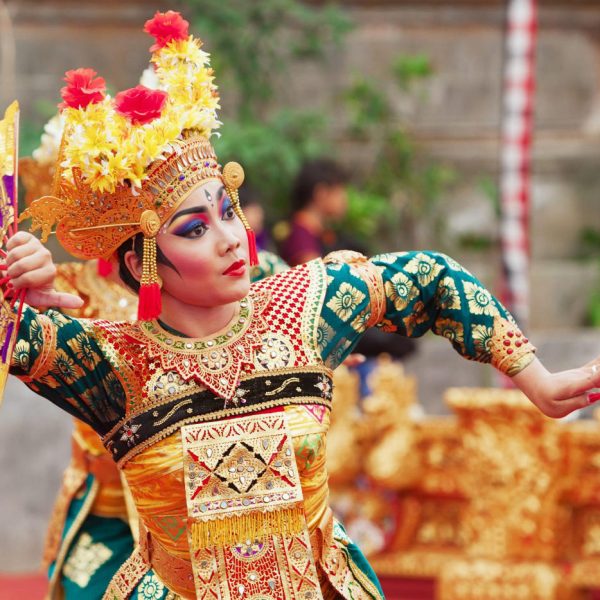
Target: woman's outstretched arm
(411, 293)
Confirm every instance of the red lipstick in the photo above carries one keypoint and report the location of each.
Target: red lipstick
(236, 269)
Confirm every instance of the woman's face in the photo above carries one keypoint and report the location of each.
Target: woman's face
(206, 245)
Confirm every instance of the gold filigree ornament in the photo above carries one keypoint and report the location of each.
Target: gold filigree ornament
(113, 167)
(215, 362)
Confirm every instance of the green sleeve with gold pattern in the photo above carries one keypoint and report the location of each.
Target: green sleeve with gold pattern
(268, 264)
(58, 357)
(420, 292)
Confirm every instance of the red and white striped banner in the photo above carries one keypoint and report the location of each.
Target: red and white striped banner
(517, 129)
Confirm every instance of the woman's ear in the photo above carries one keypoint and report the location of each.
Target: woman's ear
(134, 264)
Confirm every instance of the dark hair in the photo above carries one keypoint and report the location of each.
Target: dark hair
(321, 171)
(136, 243)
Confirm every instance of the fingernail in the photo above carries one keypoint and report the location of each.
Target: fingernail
(593, 397)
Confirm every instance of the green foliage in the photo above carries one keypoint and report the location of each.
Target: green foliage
(411, 184)
(590, 242)
(411, 68)
(30, 131)
(272, 151)
(367, 106)
(366, 210)
(253, 42)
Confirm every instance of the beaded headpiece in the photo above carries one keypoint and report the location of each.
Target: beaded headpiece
(125, 164)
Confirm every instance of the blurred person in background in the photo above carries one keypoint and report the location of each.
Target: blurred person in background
(318, 201)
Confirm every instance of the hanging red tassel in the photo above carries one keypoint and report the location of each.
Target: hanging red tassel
(104, 267)
(253, 254)
(149, 302)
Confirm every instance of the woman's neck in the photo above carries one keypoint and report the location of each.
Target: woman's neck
(196, 321)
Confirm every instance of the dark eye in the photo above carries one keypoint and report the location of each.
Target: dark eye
(193, 229)
(197, 231)
(229, 214)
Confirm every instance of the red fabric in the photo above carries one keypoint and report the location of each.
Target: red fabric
(166, 27)
(104, 267)
(83, 88)
(140, 104)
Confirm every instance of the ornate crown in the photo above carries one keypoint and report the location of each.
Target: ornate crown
(125, 164)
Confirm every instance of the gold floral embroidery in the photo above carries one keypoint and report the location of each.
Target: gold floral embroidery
(452, 330)
(345, 301)
(479, 299)
(35, 335)
(417, 316)
(21, 355)
(482, 339)
(83, 350)
(447, 295)
(361, 321)
(424, 267)
(58, 318)
(324, 334)
(67, 368)
(401, 290)
(87, 557)
(388, 258)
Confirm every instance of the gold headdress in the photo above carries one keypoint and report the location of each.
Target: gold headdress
(125, 164)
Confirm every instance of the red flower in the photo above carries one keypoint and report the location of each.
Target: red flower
(140, 104)
(166, 27)
(83, 88)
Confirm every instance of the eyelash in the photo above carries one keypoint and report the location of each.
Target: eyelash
(228, 215)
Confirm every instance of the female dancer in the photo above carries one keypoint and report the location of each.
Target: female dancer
(215, 403)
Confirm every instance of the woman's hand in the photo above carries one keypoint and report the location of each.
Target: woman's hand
(558, 394)
(30, 267)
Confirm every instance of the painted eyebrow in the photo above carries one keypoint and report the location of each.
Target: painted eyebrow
(188, 211)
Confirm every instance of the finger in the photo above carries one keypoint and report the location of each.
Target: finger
(53, 298)
(575, 382)
(38, 278)
(29, 247)
(20, 238)
(27, 264)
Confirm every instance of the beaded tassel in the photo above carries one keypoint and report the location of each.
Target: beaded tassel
(233, 177)
(150, 302)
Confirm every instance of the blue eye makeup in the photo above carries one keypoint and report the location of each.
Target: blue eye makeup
(191, 224)
(226, 206)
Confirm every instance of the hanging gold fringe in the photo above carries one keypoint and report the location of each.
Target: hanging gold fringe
(233, 177)
(252, 526)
